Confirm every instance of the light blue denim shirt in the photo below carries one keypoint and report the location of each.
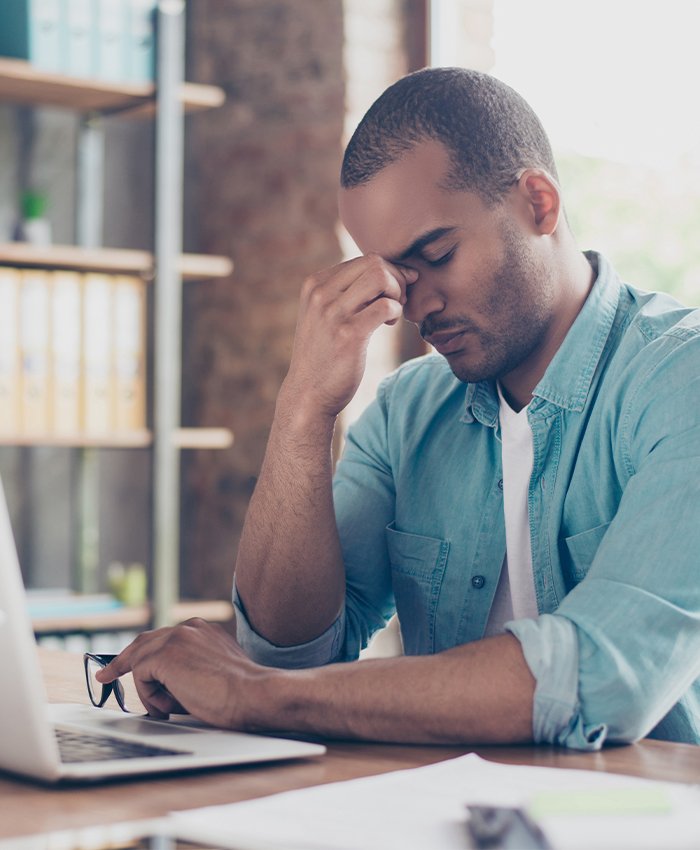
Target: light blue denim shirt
(614, 508)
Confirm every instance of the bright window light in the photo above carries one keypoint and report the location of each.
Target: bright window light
(614, 82)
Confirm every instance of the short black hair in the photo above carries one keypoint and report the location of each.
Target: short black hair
(491, 132)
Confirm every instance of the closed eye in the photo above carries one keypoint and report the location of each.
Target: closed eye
(440, 261)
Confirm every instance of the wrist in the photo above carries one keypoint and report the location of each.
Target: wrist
(302, 414)
(269, 701)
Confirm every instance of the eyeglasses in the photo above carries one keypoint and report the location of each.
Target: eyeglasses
(99, 692)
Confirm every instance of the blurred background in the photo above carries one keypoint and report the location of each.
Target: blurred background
(612, 81)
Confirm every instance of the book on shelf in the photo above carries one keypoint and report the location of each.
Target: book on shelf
(141, 40)
(129, 353)
(72, 354)
(35, 330)
(92, 39)
(66, 349)
(44, 604)
(110, 46)
(79, 29)
(33, 30)
(97, 354)
(10, 361)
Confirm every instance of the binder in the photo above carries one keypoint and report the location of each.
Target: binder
(98, 386)
(10, 422)
(129, 353)
(66, 353)
(78, 34)
(141, 40)
(31, 30)
(110, 41)
(34, 346)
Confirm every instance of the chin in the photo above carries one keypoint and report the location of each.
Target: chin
(469, 372)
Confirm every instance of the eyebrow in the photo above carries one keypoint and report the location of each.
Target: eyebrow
(421, 242)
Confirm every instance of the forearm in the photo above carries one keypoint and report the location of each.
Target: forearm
(477, 693)
(289, 571)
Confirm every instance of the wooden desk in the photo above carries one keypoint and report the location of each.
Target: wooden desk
(28, 809)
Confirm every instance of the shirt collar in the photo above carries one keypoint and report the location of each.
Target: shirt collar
(567, 381)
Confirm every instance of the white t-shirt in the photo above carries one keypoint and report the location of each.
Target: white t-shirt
(515, 594)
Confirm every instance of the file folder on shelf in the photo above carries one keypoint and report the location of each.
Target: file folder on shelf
(32, 30)
(66, 353)
(129, 354)
(141, 38)
(110, 40)
(35, 328)
(78, 37)
(97, 354)
(10, 421)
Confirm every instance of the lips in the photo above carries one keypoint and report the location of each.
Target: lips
(447, 342)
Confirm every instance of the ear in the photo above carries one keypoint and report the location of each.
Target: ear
(542, 196)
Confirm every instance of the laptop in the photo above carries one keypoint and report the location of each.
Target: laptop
(98, 743)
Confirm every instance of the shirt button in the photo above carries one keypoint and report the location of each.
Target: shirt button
(500, 483)
(478, 582)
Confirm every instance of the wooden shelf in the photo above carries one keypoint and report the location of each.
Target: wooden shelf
(203, 438)
(183, 438)
(22, 83)
(129, 618)
(113, 260)
(124, 440)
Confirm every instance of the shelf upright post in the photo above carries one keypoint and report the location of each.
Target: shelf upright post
(168, 307)
(90, 179)
(89, 234)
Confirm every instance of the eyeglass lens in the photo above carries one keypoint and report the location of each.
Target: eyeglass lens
(99, 693)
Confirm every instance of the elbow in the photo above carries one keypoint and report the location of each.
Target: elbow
(617, 714)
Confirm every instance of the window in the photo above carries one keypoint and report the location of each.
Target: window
(613, 82)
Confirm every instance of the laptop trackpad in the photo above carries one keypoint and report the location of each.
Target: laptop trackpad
(106, 720)
(143, 726)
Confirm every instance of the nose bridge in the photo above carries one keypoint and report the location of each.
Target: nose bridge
(422, 299)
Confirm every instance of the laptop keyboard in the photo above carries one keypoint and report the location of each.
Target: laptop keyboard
(83, 746)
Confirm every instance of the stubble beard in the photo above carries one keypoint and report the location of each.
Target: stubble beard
(522, 302)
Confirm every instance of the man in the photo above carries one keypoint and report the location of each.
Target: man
(527, 499)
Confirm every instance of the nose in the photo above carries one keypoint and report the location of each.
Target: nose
(421, 300)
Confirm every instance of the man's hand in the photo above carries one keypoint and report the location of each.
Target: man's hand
(480, 692)
(196, 667)
(340, 309)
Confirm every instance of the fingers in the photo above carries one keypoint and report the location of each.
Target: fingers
(124, 662)
(345, 274)
(157, 700)
(349, 288)
(160, 659)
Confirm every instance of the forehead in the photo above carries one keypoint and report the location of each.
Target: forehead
(404, 200)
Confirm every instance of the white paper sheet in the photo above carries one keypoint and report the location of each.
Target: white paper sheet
(424, 808)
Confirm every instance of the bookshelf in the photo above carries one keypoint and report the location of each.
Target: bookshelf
(182, 438)
(166, 266)
(23, 84)
(194, 267)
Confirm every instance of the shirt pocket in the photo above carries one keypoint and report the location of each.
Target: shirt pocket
(417, 568)
(582, 549)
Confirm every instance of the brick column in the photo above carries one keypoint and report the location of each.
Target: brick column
(262, 177)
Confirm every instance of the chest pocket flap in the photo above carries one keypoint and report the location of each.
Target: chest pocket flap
(582, 548)
(417, 568)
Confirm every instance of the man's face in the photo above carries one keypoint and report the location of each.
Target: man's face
(485, 295)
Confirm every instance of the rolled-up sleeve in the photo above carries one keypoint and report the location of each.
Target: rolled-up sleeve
(623, 647)
(323, 649)
(550, 647)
